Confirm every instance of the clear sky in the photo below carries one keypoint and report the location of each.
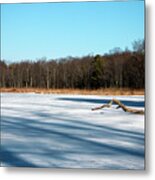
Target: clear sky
(54, 30)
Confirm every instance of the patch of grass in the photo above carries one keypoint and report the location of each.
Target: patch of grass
(102, 91)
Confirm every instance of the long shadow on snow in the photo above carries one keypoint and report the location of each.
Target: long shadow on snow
(88, 146)
(73, 124)
(103, 101)
(81, 124)
(78, 126)
(12, 159)
(97, 130)
(78, 144)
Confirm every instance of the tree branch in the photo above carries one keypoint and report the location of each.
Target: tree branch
(120, 105)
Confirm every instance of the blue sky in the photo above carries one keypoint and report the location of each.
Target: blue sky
(54, 30)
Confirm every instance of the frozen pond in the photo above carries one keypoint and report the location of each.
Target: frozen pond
(61, 131)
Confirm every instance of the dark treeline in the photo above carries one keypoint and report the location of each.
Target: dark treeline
(116, 69)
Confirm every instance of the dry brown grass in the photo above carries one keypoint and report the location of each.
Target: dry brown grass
(105, 91)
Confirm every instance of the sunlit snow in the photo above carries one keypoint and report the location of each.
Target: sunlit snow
(61, 131)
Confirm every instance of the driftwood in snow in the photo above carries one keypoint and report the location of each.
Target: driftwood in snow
(120, 105)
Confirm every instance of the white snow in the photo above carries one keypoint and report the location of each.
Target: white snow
(61, 131)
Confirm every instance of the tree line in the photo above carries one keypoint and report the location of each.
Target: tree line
(120, 69)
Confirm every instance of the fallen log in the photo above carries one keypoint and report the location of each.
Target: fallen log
(120, 105)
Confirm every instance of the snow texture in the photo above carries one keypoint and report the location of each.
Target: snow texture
(61, 131)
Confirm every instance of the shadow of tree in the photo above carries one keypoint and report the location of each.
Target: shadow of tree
(103, 101)
(78, 138)
(12, 159)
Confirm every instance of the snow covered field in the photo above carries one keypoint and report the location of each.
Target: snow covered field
(61, 131)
